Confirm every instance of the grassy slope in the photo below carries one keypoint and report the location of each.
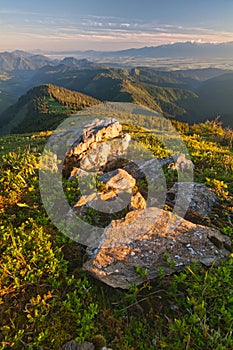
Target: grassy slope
(47, 299)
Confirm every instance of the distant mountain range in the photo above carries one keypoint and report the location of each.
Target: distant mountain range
(188, 95)
(180, 49)
(187, 49)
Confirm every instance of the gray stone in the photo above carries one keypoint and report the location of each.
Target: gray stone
(78, 173)
(183, 164)
(143, 237)
(73, 345)
(198, 199)
(119, 145)
(152, 168)
(96, 157)
(109, 202)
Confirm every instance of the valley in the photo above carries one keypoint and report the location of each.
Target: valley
(191, 95)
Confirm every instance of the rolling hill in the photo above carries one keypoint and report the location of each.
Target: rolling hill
(43, 108)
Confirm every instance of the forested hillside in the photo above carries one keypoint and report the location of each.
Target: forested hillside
(43, 108)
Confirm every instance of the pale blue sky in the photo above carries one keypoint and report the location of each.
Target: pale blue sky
(111, 25)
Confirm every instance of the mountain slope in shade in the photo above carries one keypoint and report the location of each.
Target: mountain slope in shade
(163, 93)
(6, 100)
(215, 98)
(43, 108)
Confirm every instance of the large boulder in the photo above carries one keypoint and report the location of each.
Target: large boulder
(101, 153)
(144, 238)
(96, 157)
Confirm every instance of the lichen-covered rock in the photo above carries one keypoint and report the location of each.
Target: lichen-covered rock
(143, 237)
(73, 345)
(198, 199)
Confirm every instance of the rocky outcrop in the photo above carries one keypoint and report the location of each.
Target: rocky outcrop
(148, 238)
(96, 157)
(144, 238)
(101, 153)
(87, 144)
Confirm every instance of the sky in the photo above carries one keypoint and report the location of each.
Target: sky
(108, 25)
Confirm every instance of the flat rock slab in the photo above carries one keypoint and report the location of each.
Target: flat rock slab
(143, 238)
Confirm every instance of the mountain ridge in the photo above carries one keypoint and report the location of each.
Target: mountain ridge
(187, 95)
(43, 107)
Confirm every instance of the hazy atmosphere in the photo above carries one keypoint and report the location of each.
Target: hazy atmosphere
(111, 25)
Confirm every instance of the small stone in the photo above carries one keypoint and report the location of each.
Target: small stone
(118, 180)
(78, 173)
(137, 202)
(183, 164)
(207, 261)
